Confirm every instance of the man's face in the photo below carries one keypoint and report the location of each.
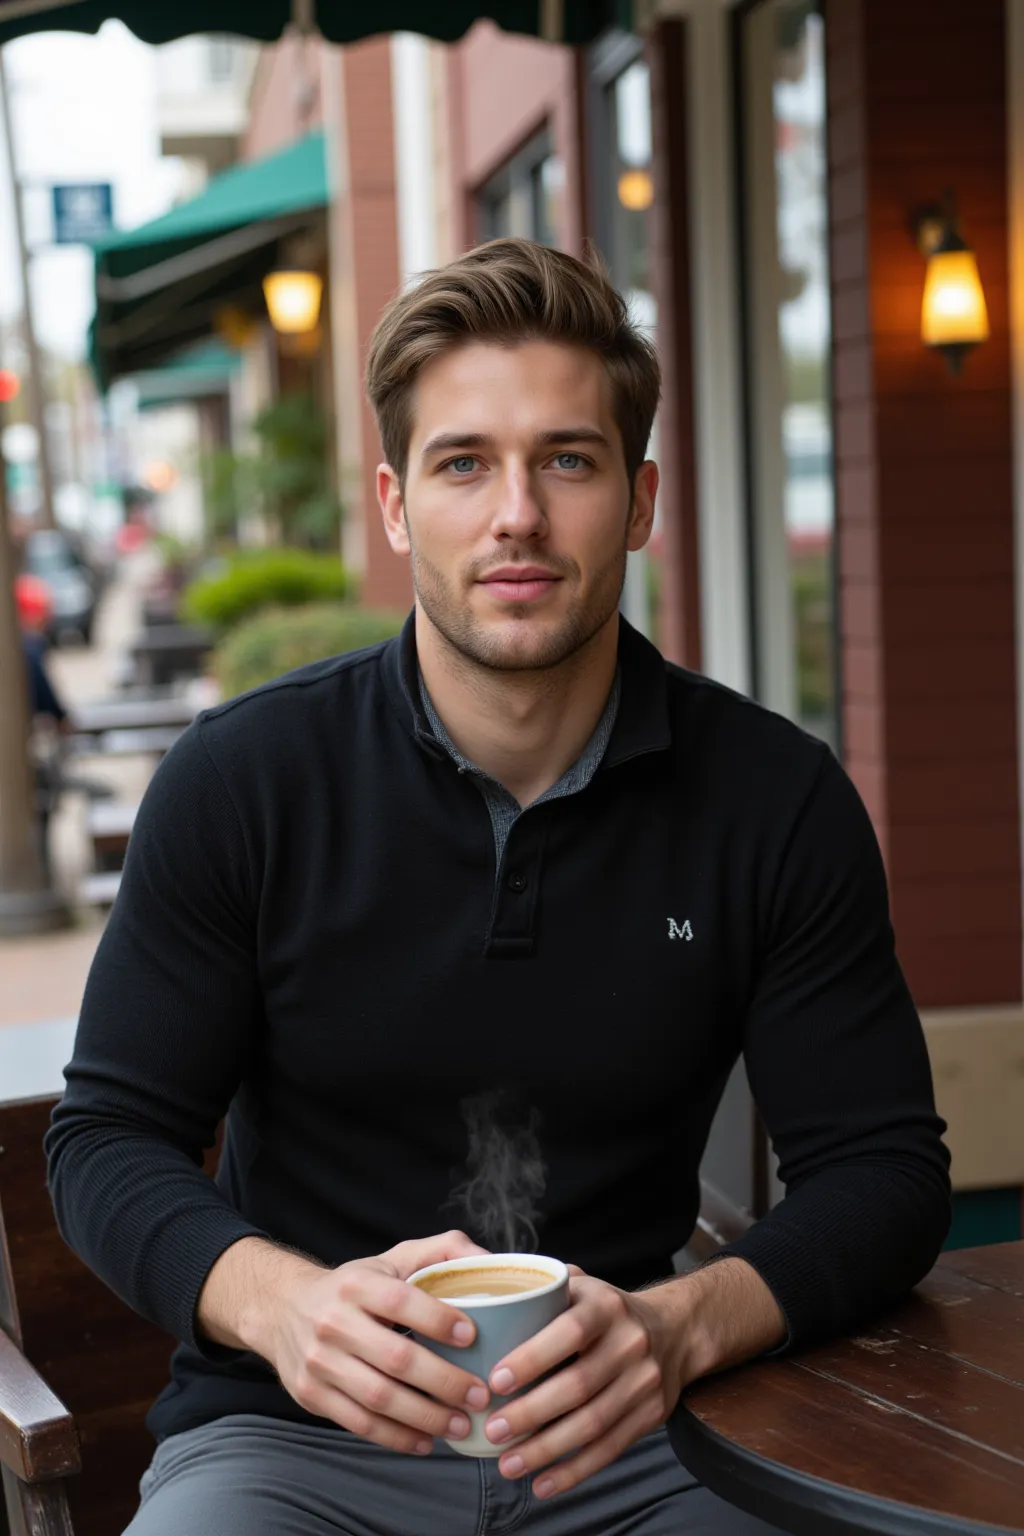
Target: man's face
(516, 511)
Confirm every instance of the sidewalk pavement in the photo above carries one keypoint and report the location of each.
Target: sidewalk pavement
(43, 977)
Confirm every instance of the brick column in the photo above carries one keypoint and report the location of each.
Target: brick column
(373, 225)
(917, 102)
(679, 620)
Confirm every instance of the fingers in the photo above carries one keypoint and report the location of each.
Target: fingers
(628, 1407)
(329, 1403)
(600, 1453)
(593, 1310)
(417, 1253)
(400, 1358)
(569, 1388)
(386, 1296)
(388, 1400)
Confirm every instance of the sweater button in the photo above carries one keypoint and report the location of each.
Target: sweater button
(517, 883)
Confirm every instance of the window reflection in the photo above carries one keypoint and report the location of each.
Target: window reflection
(524, 198)
(784, 94)
(628, 253)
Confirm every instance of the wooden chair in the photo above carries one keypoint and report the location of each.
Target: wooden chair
(79, 1369)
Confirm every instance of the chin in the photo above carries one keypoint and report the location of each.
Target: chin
(522, 644)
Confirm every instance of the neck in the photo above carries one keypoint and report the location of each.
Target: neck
(523, 728)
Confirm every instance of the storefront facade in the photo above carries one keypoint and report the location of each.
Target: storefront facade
(837, 529)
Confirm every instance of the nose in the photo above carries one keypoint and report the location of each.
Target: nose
(519, 513)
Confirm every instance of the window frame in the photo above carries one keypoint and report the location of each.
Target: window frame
(519, 173)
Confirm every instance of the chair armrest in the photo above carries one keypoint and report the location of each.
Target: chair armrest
(719, 1222)
(38, 1438)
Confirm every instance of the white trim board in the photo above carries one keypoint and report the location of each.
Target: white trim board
(715, 301)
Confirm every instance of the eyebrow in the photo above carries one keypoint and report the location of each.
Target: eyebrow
(558, 436)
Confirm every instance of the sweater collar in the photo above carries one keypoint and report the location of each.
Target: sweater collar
(641, 725)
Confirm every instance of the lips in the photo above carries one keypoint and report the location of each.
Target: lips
(520, 583)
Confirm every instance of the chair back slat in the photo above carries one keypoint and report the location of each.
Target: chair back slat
(104, 1362)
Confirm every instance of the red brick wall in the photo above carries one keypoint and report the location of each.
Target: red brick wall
(275, 119)
(509, 88)
(373, 215)
(917, 102)
(679, 618)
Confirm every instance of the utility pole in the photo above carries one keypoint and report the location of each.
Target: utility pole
(36, 386)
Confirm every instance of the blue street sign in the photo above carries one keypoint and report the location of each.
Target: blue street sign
(82, 212)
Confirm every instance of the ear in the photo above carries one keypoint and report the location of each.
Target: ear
(389, 494)
(641, 517)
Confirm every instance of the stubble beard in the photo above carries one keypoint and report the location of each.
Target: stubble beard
(493, 649)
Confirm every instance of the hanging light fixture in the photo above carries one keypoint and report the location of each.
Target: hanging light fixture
(293, 300)
(954, 315)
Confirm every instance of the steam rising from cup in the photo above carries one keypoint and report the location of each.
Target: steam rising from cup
(507, 1175)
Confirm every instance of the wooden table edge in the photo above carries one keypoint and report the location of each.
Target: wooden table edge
(780, 1494)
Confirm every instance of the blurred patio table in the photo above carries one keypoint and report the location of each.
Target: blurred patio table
(913, 1428)
(127, 727)
(133, 714)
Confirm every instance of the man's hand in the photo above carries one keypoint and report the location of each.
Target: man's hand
(636, 1352)
(330, 1335)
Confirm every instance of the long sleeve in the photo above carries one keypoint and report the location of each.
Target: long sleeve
(168, 1014)
(839, 1070)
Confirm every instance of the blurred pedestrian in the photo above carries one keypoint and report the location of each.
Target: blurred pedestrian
(48, 716)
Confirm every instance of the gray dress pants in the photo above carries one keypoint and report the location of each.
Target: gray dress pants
(247, 1475)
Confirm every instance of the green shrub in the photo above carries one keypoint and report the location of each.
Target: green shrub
(285, 476)
(264, 578)
(279, 640)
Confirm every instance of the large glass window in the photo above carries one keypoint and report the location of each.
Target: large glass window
(789, 356)
(623, 195)
(524, 198)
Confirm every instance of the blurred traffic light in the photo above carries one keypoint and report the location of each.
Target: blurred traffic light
(10, 386)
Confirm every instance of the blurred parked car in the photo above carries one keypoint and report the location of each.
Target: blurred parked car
(52, 556)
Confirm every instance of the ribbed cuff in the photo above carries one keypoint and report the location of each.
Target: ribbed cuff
(786, 1263)
(176, 1261)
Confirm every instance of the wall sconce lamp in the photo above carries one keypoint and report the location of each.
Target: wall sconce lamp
(293, 300)
(954, 316)
(636, 190)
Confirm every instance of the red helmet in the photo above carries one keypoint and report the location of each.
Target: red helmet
(35, 604)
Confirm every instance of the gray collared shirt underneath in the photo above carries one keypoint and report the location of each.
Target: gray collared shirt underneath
(504, 808)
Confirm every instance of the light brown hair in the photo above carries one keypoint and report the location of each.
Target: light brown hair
(510, 291)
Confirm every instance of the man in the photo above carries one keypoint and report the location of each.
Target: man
(476, 923)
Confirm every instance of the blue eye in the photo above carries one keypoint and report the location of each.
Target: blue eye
(464, 464)
(576, 458)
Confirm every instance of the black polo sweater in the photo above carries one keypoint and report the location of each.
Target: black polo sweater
(311, 935)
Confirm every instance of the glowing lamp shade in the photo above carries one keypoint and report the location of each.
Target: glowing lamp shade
(636, 190)
(293, 300)
(953, 312)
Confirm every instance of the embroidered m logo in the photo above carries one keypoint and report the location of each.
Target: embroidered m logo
(675, 931)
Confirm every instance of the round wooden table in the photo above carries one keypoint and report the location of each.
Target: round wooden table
(914, 1428)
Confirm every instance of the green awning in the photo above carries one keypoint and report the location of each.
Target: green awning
(159, 287)
(339, 21)
(196, 374)
(285, 183)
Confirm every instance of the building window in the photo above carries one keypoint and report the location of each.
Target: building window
(524, 198)
(220, 59)
(623, 192)
(789, 362)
